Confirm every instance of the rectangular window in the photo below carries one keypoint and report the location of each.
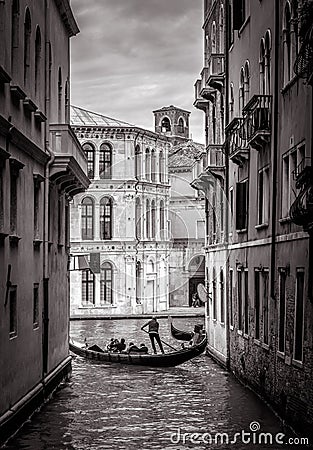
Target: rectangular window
(231, 299)
(222, 290)
(265, 278)
(13, 201)
(299, 314)
(246, 303)
(239, 298)
(60, 220)
(36, 209)
(239, 14)
(242, 205)
(13, 311)
(1, 196)
(88, 287)
(263, 196)
(231, 207)
(214, 295)
(36, 305)
(282, 311)
(257, 304)
(288, 182)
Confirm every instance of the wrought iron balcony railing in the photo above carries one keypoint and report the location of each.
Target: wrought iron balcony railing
(258, 121)
(237, 140)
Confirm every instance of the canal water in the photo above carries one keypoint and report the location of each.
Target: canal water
(114, 407)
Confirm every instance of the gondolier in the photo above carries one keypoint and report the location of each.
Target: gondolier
(153, 330)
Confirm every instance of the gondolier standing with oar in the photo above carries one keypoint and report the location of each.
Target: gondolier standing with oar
(153, 330)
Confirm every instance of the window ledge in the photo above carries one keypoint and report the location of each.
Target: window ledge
(3, 235)
(222, 324)
(37, 242)
(243, 26)
(281, 355)
(261, 226)
(36, 327)
(239, 332)
(257, 342)
(13, 335)
(14, 239)
(265, 346)
(231, 327)
(244, 230)
(245, 335)
(289, 84)
(298, 364)
(284, 220)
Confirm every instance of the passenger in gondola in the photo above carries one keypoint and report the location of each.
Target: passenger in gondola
(143, 348)
(119, 346)
(153, 330)
(112, 344)
(132, 348)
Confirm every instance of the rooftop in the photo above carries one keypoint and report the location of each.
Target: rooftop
(83, 117)
(184, 154)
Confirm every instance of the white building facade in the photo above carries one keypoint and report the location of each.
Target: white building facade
(120, 225)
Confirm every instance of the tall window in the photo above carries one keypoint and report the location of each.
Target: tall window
(239, 14)
(257, 304)
(246, 303)
(239, 298)
(222, 290)
(13, 311)
(265, 278)
(106, 218)
(37, 60)
(162, 220)
(289, 164)
(106, 284)
(268, 48)
(60, 95)
(262, 67)
(90, 153)
(67, 102)
(263, 196)
(222, 30)
(27, 36)
(231, 297)
(181, 125)
(138, 218)
(105, 162)
(138, 162)
(242, 205)
(214, 299)
(15, 36)
(36, 206)
(13, 198)
(153, 219)
(299, 315)
(246, 87)
(153, 166)
(231, 101)
(88, 287)
(282, 311)
(241, 90)
(213, 38)
(87, 207)
(287, 43)
(36, 305)
(138, 282)
(165, 125)
(162, 167)
(148, 220)
(147, 165)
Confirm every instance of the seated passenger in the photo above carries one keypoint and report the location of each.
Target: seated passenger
(132, 348)
(120, 346)
(143, 348)
(113, 342)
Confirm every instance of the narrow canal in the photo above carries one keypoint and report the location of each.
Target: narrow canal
(122, 407)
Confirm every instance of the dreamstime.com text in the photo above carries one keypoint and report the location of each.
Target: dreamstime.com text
(254, 436)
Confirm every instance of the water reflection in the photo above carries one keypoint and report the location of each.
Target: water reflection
(126, 407)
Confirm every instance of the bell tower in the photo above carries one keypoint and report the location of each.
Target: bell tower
(173, 122)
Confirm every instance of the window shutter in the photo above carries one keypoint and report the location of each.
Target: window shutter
(239, 205)
(94, 263)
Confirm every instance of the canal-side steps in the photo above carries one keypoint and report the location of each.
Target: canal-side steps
(183, 311)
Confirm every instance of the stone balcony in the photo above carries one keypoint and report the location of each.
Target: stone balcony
(237, 141)
(216, 161)
(69, 167)
(203, 92)
(216, 71)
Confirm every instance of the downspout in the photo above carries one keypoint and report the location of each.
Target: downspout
(275, 98)
(226, 186)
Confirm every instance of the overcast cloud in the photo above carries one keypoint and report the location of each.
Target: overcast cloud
(134, 56)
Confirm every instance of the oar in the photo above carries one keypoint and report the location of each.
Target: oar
(163, 342)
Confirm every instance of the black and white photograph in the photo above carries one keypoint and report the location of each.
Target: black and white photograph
(156, 224)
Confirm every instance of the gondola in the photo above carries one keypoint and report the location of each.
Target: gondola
(181, 335)
(161, 360)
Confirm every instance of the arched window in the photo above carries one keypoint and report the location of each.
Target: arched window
(105, 162)
(88, 287)
(231, 100)
(49, 69)
(153, 219)
(106, 284)
(106, 218)
(147, 165)
(241, 90)
(90, 153)
(147, 219)
(214, 122)
(27, 35)
(162, 221)
(153, 165)
(138, 162)
(161, 166)
(287, 42)
(267, 73)
(262, 67)
(138, 218)
(246, 87)
(213, 38)
(165, 125)
(60, 94)
(181, 125)
(87, 218)
(37, 60)
(138, 282)
(222, 29)
(15, 35)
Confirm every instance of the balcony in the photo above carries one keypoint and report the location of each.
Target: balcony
(69, 168)
(303, 173)
(203, 92)
(203, 182)
(301, 211)
(236, 138)
(216, 161)
(258, 121)
(216, 72)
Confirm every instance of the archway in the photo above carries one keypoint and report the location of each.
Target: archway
(196, 274)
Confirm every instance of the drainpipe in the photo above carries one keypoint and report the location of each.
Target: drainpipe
(275, 99)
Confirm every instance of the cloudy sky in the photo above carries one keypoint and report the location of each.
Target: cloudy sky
(134, 56)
